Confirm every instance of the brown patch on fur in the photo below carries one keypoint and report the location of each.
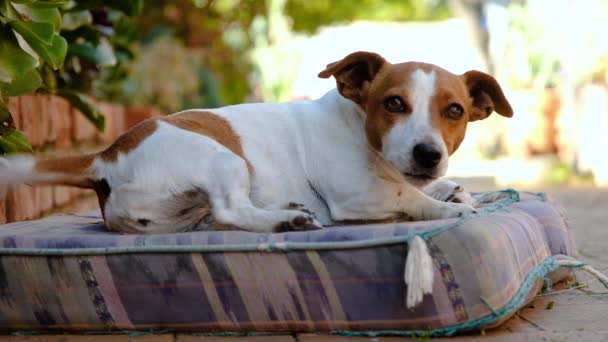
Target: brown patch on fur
(212, 126)
(487, 96)
(129, 140)
(354, 73)
(449, 89)
(74, 167)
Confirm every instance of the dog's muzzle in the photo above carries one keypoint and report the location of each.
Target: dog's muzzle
(426, 156)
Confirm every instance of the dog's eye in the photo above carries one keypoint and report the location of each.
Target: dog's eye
(394, 104)
(454, 111)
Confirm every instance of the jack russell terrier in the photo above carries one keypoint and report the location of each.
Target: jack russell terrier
(372, 149)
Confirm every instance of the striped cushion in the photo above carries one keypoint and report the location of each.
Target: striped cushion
(68, 273)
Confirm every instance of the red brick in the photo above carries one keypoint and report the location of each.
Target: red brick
(34, 119)
(19, 204)
(85, 203)
(135, 115)
(61, 195)
(77, 193)
(2, 210)
(28, 201)
(45, 194)
(25, 119)
(37, 201)
(84, 192)
(82, 128)
(119, 120)
(109, 132)
(45, 119)
(11, 207)
(62, 119)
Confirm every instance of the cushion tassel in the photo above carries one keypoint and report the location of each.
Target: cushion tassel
(418, 273)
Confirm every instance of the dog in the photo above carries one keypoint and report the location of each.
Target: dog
(374, 148)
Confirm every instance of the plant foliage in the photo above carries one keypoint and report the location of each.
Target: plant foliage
(58, 47)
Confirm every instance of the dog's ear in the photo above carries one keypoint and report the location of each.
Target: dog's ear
(487, 96)
(354, 73)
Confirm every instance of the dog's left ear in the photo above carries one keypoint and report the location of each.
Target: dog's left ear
(354, 73)
(487, 96)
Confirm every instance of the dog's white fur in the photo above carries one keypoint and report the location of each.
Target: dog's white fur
(310, 152)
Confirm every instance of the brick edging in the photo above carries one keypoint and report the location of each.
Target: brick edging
(54, 127)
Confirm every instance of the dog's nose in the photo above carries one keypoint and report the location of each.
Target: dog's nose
(426, 155)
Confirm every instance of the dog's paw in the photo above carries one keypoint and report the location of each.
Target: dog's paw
(454, 210)
(302, 221)
(447, 191)
(300, 207)
(437, 210)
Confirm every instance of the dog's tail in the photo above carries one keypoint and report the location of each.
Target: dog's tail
(24, 169)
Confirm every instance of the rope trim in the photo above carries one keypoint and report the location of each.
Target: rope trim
(541, 271)
(272, 247)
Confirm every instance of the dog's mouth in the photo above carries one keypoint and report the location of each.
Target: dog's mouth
(420, 177)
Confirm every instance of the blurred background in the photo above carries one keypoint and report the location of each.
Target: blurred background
(551, 56)
(76, 74)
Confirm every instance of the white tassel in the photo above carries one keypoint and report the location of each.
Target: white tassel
(418, 273)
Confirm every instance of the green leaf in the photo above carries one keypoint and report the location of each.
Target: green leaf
(14, 143)
(30, 30)
(25, 84)
(14, 62)
(85, 105)
(102, 54)
(11, 140)
(88, 33)
(49, 78)
(53, 55)
(7, 12)
(7, 147)
(41, 3)
(29, 12)
(131, 8)
(5, 115)
(73, 20)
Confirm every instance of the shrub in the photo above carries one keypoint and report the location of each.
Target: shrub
(58, 47)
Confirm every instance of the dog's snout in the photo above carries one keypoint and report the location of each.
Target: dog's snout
(426, 155)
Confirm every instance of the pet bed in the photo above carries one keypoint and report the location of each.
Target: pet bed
(67, 273)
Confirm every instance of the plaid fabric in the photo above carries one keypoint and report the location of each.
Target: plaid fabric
(68, 273)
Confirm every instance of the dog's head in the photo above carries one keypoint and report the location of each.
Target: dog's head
(417, 113)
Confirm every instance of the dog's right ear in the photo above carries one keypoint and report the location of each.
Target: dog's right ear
(354, 73)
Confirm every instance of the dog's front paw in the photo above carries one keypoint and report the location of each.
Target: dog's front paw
(447, 191)
(436, 210)
(452, 210)
(302, 220)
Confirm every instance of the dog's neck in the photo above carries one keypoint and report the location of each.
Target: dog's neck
(353, 117)
(346, 109)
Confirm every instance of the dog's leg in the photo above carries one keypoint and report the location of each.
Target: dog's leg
(449, 191)
(231, 204)
(389, 200)
(423, 207)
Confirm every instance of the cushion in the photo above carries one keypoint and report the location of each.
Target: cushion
(68, 273)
